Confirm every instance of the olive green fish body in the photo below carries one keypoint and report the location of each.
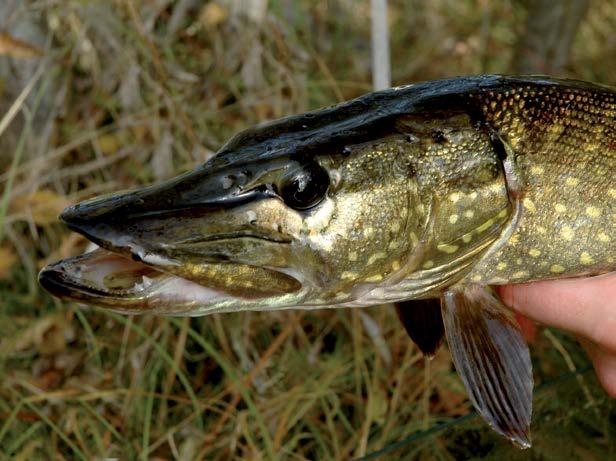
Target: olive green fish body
(563, 144)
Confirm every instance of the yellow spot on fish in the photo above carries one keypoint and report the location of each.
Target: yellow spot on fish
(393, 244)
(353, 256)
(447, 248)
(501, 266)
(496, 188)
(369, 231)
(347, 275)
(519, 274)
(476, 278)
(541, 229)
(455, 197)
(374, 278)
(497, 280)
(395, 265)
(612, 193)
(469, 214)
(560, 207)
(585, 258)
(536, 169)
(473, 195)
(428, 264)
(375, 257)
(593, 211)
(248, 284)
(571, 181)
(557, 268)
(395, 227)
(515, 238)
(529, 205)
(534, 253)
(485, 226)
(567, 233)
(518, 261)
(467, 237)
(229, 281)
(603, 237)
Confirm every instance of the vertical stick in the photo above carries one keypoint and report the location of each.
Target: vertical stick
(381, 67)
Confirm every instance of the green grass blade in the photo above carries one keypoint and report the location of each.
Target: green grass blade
(228, 369)
(57, 430)
(164, 355)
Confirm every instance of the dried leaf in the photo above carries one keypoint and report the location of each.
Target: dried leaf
(213, 14)
(16, 48)
(7, 260)
(111, 143)
(47, 335)
(51, 371)
(44, 206)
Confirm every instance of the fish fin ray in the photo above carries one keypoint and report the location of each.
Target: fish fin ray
(423, 321)
(492, 359)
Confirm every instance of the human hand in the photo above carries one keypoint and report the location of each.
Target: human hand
(585, 306)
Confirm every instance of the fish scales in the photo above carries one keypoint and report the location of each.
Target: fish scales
(564, 144)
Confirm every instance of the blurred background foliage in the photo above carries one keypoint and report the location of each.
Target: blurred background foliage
(97, 96)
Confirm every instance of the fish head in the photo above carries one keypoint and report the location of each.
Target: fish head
(330, 208)
(263, 225)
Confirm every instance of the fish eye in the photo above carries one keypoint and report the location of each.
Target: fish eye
(304, 187)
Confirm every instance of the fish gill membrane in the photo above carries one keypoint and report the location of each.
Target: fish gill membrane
(427, 192)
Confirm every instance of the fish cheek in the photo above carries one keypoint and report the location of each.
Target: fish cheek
(364, 241)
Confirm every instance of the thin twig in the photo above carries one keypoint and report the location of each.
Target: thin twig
(381, 67)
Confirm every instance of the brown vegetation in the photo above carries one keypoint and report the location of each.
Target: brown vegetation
(100, 96)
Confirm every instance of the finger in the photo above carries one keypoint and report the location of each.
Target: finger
(584, 306)
(605, 365)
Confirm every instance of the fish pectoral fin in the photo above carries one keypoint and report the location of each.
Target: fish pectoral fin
(492, 359)
(423, 321)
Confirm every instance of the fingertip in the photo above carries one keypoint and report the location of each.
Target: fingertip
(604, 364)
(522, 298)
(582, 305)
(506, 294)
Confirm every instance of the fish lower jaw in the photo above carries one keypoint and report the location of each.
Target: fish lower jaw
(106, 279)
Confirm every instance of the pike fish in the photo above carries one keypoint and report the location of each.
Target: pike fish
(426, 195)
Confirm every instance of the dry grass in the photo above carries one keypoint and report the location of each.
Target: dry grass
(131, 92)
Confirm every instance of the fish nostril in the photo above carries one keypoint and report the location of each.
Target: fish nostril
(228, 181)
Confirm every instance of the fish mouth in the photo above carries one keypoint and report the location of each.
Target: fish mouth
(110, 280)
(196, 244)
(116, 282)
(172, 263)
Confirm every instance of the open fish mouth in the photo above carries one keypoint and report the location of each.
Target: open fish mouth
(110, 280)
(164, 254)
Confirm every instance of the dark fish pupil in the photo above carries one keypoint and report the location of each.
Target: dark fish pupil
(304, 187)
